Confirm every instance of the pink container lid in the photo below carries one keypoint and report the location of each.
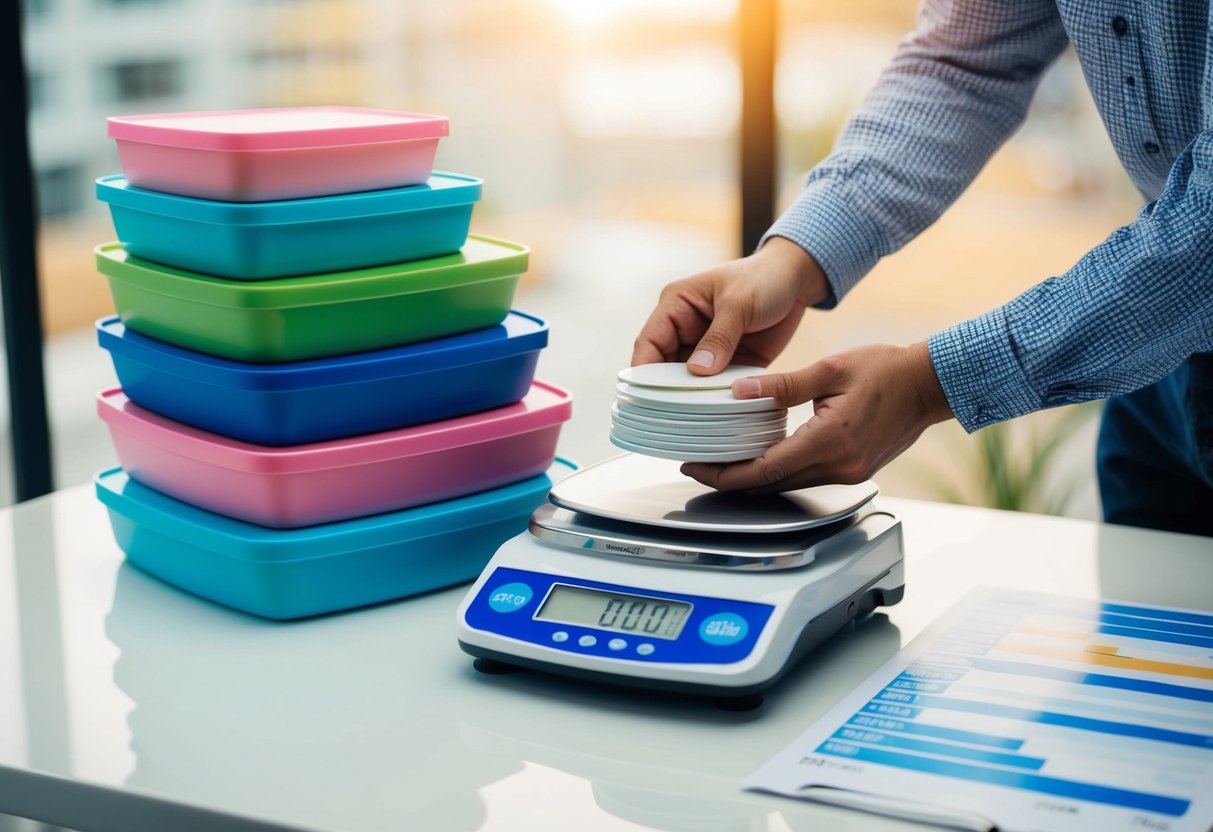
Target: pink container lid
(543, 406)
(278, 128)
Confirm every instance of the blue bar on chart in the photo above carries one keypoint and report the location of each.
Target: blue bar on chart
(1041, 712)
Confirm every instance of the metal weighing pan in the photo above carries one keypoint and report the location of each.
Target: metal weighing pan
(645, 490)
(721, 550)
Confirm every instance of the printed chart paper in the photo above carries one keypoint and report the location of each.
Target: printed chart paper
(1025, 711)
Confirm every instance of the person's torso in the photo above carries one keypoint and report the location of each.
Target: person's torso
(1145, 63)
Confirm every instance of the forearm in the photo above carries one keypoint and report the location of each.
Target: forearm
(955, 91)
(1124, 316)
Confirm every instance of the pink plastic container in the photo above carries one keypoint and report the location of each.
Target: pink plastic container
(303, 485)
(282, 153)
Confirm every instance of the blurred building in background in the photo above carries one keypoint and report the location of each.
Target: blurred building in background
(606, 133)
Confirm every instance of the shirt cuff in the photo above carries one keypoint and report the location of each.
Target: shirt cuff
(980, 372)
(830, 221)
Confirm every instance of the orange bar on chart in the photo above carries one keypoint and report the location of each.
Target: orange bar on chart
(1104, 659)
(1074, 635)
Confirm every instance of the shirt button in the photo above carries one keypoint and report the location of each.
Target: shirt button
(1130, 80)
(1120, 26)
(1151, 148)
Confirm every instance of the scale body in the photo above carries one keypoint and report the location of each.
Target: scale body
(682, 601)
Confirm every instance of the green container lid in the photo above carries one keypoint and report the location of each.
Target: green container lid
(294, 318)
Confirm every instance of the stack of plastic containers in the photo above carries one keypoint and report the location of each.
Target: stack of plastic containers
(326, 400)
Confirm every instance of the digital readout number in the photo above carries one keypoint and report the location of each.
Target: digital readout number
(630, 614)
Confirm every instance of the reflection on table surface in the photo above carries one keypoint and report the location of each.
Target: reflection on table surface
(350, 720)
(374, 719)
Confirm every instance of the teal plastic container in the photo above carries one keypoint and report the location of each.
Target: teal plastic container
(260, 240)
(295, 573)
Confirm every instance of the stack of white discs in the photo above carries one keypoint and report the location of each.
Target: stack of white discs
(663, 410)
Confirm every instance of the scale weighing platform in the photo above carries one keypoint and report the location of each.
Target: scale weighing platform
(636, 575)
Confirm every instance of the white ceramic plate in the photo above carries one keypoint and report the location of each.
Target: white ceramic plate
(764, 417)
(686, 456)
(704, 428)
(705, 443)
(676, 376)
(692, 401)
(645, 433)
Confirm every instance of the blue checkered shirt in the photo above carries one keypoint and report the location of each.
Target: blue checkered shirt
(1135, 306)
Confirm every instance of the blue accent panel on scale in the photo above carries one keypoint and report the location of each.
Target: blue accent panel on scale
(746, 620)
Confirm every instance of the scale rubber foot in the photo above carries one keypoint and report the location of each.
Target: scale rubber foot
(492, 667)
(739, 703)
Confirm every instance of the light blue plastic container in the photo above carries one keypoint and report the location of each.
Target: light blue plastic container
(294, 573)
(261, 240)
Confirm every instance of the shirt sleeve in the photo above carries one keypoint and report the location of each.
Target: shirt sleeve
(953, 93)
(1129, 312)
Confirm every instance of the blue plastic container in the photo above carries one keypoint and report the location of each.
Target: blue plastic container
(329, 398)
(259, 240)
(295, 573)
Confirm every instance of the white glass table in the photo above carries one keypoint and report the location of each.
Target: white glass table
(128, 705)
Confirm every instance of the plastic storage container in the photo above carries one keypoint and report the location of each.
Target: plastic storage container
(294, 318)
(329, 398)
(255, 241)
(283, 153)
(292, 574)
(323, 482)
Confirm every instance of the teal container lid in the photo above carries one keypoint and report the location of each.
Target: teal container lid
(441, 191)
(246, 541)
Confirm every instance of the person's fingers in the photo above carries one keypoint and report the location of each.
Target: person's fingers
(667, 332)
(867, 406)
(794, 388)
(825, 473)
(655, 341)
(801, 452)
(813, 475)
(646, 351)
(715, 349)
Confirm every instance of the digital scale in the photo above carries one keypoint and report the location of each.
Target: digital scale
(637, 575)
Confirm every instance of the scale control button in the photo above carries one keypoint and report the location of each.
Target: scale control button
(617, 644)
(587, 641)
(645, 649)
(510, 597)
(723, 628)
(560, 635)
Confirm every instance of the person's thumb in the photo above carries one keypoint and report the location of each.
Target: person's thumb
(715, 349)
(787, 389)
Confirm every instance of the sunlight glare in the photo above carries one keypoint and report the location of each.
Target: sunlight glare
(595, 12)
(690, 94)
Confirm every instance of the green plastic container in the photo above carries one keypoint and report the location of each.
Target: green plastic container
(294, 318)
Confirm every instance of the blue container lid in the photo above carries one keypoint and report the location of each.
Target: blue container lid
(246, 541)
(442, 190)
(519, 333)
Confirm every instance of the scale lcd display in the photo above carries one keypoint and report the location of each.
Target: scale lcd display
(635, 614)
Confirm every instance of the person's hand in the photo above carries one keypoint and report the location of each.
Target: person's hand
(743, 311)
(869, 405)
